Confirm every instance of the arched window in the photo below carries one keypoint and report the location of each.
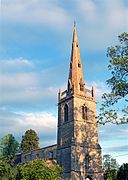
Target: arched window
(66, 113)
(84, 112)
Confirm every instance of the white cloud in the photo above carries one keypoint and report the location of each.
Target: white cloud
(25, 87)
(28, 95)
(99, 22)
(18, 84)
(88, 9)
(44, 123)
(107, 20)
(110, 131)
(35, 12)
(18, 80)
(117, 149)
(15, 65)
(35, 119)
(15, 62)
(113, 141)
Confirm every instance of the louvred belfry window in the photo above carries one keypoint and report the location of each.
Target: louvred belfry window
(85, 112)
(66, 113)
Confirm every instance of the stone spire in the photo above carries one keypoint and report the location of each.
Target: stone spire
(76, 78)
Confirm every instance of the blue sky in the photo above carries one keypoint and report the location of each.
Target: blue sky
(35, 49)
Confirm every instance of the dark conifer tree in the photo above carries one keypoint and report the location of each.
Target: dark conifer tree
(30, 141)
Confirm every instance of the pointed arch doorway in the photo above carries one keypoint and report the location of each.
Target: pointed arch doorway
(88, 178)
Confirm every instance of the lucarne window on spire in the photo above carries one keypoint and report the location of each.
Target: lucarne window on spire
(81, 85)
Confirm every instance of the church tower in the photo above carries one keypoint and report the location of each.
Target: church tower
(78, 151)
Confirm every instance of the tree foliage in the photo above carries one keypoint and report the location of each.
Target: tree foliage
(122, 173)
(9, 147)
(110, 167)
(30, 141)
(32, 170)
(7, 170)
(39, 170)
(118, 83)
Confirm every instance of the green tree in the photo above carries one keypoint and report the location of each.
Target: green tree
(122, 173)
(39, 170)
(118, 83)
(110, 167)
(32, 170)
(30, 141)
(9, 147)
(7, 170)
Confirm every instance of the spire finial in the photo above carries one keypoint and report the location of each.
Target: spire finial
(74, 33)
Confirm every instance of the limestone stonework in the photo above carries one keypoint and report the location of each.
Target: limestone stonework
(78, 151)
(46, 153)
